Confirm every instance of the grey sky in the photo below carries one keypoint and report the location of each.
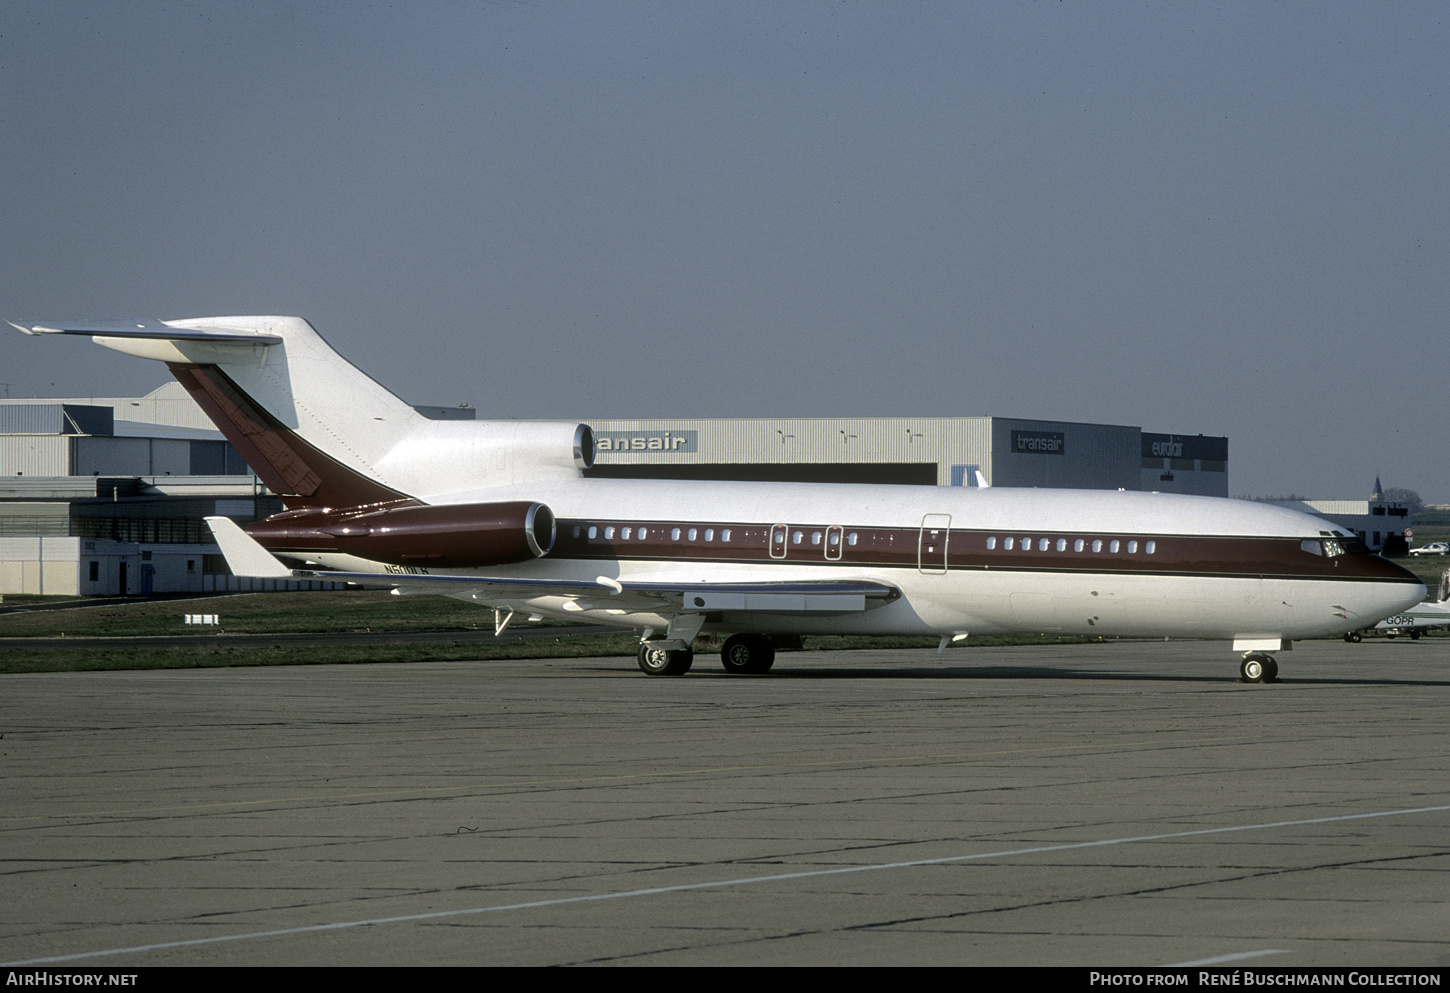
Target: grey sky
(1228, 218)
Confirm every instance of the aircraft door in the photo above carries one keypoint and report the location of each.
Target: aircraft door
(931, 551)
(833, 542)
(778, 533)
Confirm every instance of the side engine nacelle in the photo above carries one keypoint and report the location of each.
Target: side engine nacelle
(449, 536)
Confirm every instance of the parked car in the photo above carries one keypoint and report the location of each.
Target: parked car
(1433, 548)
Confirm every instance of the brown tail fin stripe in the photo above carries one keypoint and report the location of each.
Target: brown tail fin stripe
(292, 468)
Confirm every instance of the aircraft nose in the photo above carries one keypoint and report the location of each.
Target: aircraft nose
(1419, 585)
(1402, 597)
(1388, 587)
(1412, 596)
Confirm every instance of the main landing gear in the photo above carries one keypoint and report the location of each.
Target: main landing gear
(742, 654)
(1258, 667)
(1354, 637)
(747, 654)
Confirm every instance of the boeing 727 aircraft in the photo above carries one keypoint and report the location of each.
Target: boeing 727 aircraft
(500, 513)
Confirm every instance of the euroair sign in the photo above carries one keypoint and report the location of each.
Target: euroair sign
(1177, 446)
(646, 442)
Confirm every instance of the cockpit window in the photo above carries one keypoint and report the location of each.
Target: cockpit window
(1344, 546)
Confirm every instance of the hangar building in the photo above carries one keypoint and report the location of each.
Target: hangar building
(926, 451)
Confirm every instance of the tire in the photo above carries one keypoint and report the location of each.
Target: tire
(661, 662)
(747, 654)
(1353, 637)
(1254, 667)
(1414, 636)
(1271, 671)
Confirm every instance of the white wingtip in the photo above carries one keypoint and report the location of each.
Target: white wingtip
(245, 557)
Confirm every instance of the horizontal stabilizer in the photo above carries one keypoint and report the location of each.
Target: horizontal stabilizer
(148, 328)
(244, 556)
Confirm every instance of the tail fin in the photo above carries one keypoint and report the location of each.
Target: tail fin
(320, 432)
(275, 389)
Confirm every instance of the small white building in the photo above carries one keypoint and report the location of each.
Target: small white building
(1380, 523)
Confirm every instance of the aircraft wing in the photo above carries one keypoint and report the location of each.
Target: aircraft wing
(1430, 614)
(838, 596)
(247, 557)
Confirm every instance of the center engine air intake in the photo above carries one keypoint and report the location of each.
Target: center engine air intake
(447, 536)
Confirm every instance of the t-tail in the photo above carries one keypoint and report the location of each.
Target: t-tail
(358, 469)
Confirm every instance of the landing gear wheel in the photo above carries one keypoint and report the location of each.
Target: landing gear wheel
(654, 661)
(747, 654)
(1258, 668)
(1414, 636)
(1353, 637)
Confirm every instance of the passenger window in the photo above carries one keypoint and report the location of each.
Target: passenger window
(1062, 544)
(674, 534)
(624, 533)
(692, 533)
(1113, 546)
(709, 534)
(609, 533)
(992, 543)
(796, 537)
(851, 538)
(593, 532)
(1132, 548)
(1151, 547)
(642, 533)
(576, 530)
(815, 537)
(1097, 545)
(1042, 544)
(1077, 545)
(725, 535)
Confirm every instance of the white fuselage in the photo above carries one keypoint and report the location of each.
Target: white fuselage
(1094, 586)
